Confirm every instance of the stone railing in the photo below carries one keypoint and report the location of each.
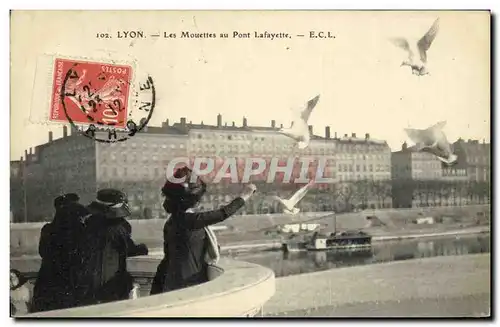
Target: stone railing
(234, 289)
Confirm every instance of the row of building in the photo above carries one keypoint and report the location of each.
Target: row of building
(363, 169)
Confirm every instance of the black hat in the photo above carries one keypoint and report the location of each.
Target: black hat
(186, 193)
(65, 199)
(115, 202)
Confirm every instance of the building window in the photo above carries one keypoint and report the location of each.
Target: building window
(371, 167)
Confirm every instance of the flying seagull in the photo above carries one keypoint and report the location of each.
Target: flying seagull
(292, 202)
(418, 65)
(299, 129)
(433, 140)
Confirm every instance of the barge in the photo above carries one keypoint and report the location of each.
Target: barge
(345, 240)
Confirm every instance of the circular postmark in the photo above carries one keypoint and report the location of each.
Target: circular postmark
(98, 97)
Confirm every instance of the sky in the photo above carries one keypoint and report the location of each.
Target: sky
(357, 74)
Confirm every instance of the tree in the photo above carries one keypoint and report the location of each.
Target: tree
(362, 190)
(346, 191)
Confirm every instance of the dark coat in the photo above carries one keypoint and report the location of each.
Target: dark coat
(56, 286)
(107, 245)
(185, 244)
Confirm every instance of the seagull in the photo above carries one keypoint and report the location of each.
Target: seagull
(292, 202)
(434, 141)
(299, 130)
(418, 66)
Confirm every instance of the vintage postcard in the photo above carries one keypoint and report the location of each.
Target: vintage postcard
(250, 163)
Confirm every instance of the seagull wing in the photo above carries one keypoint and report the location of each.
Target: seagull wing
(425, 42)
(300, 194)
(403, 44)
(413, 134)
(309, 107)
(438, 126)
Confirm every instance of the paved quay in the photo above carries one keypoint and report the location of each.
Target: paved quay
(453, 286)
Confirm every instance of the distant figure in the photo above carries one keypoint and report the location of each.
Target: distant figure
(56, 286)
(19, 294)
(189, 245)
(105, 248)
(418, 49)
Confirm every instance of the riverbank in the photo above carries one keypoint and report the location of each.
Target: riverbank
(377, 236)
(454, 286)
(255, 229)
(276, 244)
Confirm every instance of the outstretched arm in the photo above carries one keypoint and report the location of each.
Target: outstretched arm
(202, 219)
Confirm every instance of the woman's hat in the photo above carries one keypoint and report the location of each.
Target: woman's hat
(115, 202)
(65, 199)
(186, 190)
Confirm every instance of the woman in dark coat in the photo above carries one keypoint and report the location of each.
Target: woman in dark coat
(56, 286)
(107, 245)
(185, 238)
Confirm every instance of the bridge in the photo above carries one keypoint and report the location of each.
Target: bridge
(434, 287)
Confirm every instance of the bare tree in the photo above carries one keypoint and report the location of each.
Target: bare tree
(346, 191)
(362, 190)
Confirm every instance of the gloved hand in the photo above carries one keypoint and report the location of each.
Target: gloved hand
(248, 192)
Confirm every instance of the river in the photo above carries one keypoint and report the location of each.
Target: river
(285, 264)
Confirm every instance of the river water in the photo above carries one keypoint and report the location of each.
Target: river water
(285, 264)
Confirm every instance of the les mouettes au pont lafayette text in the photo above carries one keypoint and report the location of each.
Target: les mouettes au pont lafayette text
(138, 34)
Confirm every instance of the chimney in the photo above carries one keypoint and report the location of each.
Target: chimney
(404, 147)
(244, 122)
(50, 136)
(273, 123)
(167, 122)
(190, 122)
(311, 129)
(26, 154)
(335, 134)
(367, 136)
(31, 151)
(345, 135)
(327, 132)
(353, 135)
(219, 120)
(225, 124)
(281, 125)
(202, 123)
(183, 121)
(484, 141)
(65, 131)
(234, 125)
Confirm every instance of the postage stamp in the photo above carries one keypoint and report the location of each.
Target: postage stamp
(95, 93)
(101, 100)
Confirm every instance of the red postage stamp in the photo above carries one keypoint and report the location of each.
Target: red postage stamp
(94, 93)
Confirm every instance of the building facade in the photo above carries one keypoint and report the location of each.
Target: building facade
(419, 179)
(359, 168)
